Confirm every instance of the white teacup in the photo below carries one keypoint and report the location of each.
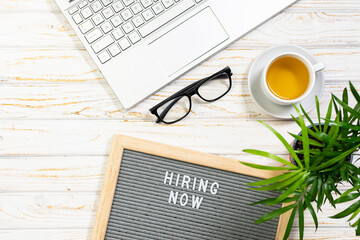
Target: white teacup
(312, 69)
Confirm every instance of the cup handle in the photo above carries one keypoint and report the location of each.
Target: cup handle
(318, 67)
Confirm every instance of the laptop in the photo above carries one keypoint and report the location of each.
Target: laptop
(142, 45)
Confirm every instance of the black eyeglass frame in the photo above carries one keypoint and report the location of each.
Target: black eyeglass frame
(188, 92)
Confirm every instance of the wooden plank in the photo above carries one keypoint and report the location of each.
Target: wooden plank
(80, 234)
(311, 28)
(332, 233)
(91, 101)
(50, 5)
(52, 174)
(75, 173)
(93, 137)
(45, 234)
(32, 66)
(39, 210)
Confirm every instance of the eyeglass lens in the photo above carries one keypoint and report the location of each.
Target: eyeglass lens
(174, 109)
(215, 87)
(179, 107)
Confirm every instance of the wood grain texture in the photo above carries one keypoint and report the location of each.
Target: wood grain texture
(58, 114)
(94, 102)
(47, 210)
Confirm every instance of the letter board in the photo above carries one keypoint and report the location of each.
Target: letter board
(155, 191)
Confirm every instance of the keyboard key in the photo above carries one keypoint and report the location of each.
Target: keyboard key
(168, 3)
(138, 21)
(83, 4)
(114, 50)
(96, 6)
(146, 3)
(73, 10)
(134, 37)
(158, 8)
(128, 27)
(86, 26)
(98, 18)
(86, 12)
(128, 2)
(108, 13)
(117, 6)
(104, 57)
(116, 21)
(166, 17)
(77, 18)
(102, 43)
(126, 15)
(147, 14)
(124, 43)
(106, 2)
(136, 8)
(94, 35)
(117, 34)
(106, 27)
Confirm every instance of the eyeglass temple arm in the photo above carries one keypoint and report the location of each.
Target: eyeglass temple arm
(167, 109)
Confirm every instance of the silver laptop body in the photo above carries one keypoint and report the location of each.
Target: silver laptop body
(142, 45)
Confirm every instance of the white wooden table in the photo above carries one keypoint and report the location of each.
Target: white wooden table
(58, 114)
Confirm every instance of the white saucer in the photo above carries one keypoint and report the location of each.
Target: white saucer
(256, 91)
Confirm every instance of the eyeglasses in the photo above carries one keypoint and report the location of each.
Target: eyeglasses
(178, 106)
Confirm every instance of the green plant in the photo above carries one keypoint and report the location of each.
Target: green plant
(352, 117)
(319, 165)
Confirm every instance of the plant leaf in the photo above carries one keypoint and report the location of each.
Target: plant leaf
(335, 159)
(290, 224)
(309, 118)
(285, 143)
(269, 155)
(278, 178)
(328, 116)
(274, 213)
(263, 167)
(354, 92)
(271, 200)
(348, 211)
(355, 223)
(354, 215)
(280, 185)
(305, 137)
(313, 190)
(356, 188)
(333, 132)
(311, 141)
(301, 220)
(347, 108)
(343, 173)
(347, 198)
(293, 187)
(318, 112)
(320, 197)
(311, 210)
(328, 194)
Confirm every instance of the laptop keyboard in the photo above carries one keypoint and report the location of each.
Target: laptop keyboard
(113, 26)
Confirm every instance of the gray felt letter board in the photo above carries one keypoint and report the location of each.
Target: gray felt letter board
(154, 191)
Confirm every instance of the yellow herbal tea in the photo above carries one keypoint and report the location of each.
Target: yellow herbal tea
(288, 78)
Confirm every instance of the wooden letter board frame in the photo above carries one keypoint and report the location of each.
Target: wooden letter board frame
(121, 142)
